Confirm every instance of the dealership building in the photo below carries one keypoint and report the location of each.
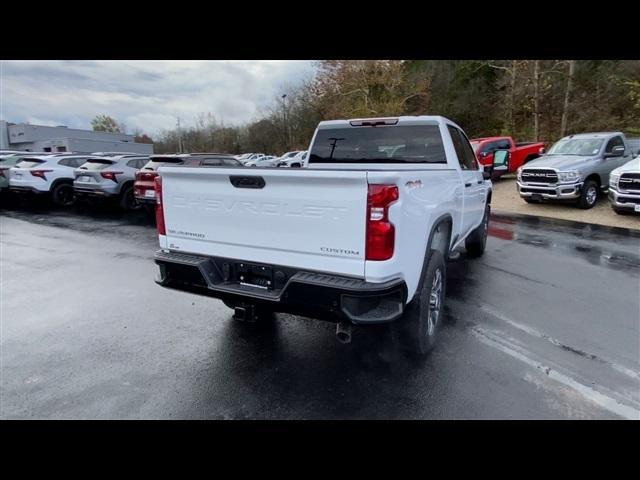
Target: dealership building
(41, 138)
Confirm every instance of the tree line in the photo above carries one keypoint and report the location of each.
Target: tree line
(530, 100)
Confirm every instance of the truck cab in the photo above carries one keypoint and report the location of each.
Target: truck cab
(519, 153)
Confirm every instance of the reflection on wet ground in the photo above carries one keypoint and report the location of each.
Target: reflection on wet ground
(612, 247)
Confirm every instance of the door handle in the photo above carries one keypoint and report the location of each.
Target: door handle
(480, 182)
(467, 184)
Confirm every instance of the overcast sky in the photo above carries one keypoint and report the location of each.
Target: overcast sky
(143, 94)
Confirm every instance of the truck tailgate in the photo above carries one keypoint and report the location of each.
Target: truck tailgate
(308, 219)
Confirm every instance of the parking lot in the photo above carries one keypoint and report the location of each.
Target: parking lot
(545, 326)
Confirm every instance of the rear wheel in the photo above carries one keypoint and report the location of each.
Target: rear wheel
(477, 240)
(416, 331)
(128, 200)
(63, 194)
(589, 195)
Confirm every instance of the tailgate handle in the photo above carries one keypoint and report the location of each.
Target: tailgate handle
(241, 181)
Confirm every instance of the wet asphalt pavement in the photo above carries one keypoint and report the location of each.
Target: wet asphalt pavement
(545, 326)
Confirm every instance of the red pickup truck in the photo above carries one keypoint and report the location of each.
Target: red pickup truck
(519, 153)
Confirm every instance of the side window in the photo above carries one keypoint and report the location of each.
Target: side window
(463, 149)
(134, 163)
(71, 162)
(492, 146)
(211, 162)
(503, 145)
(614, 142)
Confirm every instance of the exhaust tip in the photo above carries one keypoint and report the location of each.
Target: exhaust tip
(343, 332)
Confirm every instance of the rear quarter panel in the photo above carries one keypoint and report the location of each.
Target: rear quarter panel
(425, 196)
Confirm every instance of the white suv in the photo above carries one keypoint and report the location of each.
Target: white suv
(110, 177)
(46, 174)
(296, 160)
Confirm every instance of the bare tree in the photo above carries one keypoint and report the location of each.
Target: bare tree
(511, 70)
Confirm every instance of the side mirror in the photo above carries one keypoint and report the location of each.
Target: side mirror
(501, 161)
(542, 151)
(616, 152)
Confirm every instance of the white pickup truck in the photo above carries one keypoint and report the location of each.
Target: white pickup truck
(360, 236)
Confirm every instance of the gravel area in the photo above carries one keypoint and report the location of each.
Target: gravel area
(506, 199)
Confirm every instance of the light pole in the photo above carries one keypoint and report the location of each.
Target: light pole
(179, 137)
(284, 122)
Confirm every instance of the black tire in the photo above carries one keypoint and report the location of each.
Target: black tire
(530, 200)
(416, 331)
(477, 240)
(128, 200)
(150, 209)
(295, 165)
(589, 195)
(63, 195)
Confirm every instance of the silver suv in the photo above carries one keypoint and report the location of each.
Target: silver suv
(46, 174)
(576, 168)
(110, 177)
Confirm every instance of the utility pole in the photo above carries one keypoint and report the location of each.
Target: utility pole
(567, 98)
(284, 123)
(179, 137)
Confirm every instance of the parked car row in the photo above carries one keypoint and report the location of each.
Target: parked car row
(144, 186)
(293, 159)
(577, 169)
(124, 177)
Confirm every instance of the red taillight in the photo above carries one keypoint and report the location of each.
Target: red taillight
(146, 176)
(40, 173)
(110, 175)
(159, 209)
(380, 232)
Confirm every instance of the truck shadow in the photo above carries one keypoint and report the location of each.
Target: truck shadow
(293, 367)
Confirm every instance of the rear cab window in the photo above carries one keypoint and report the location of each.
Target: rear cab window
(379, 144)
